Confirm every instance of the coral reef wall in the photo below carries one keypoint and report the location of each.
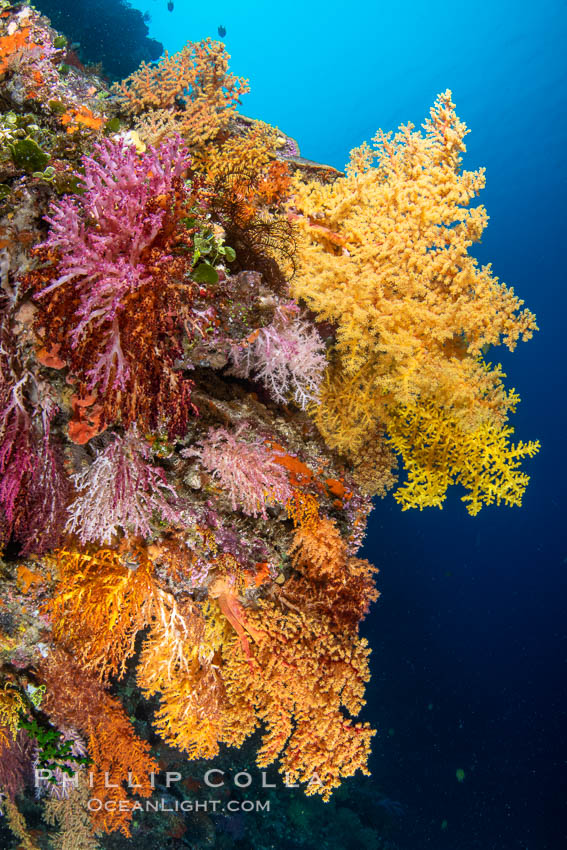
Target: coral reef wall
(214, 355)
(92, 25)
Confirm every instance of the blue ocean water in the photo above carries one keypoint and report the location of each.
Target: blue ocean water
(469, 635)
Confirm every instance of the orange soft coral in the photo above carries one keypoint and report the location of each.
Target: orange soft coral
(120, 759)
(101, 602)
(331, 582)
(304, 676)
(198, 76)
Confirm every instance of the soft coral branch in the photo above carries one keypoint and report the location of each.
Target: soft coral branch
(287, 356)
(244, 468)
(121, 490)
(101, 235)
(33, 485)
(113, 288)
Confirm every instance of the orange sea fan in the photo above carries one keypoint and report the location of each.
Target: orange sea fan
(101, 602)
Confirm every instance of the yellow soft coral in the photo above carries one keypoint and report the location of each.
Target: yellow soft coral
(252, 150)
(403, 285)
(438, 453)
(384, 257)
(11, 705)
(177, 662)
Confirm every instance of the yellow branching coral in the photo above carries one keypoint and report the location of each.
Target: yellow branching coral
(438, 446)
(438, 453)
(403, 283)
(176, 662)
(385, 259)
(303, 678)
(100, 604)
(251, 151)
(198, 75)
(349, 407)
(11, 704)
(349, 416)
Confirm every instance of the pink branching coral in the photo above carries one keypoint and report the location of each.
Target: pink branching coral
(121, 490)
(287, 357)
(105, 261)
(244, 468)
(113, 288)
(33, 485)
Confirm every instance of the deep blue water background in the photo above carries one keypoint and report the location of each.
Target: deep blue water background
(469, 635)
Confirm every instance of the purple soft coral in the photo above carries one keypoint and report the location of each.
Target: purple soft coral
(33, 485)
(101, 235)
(121, 489)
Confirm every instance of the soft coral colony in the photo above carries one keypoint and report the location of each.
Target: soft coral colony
(214, 353)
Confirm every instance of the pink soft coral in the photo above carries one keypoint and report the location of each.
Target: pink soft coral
(245, 468)
(287, 357)
(121, 490)
(100, 237)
